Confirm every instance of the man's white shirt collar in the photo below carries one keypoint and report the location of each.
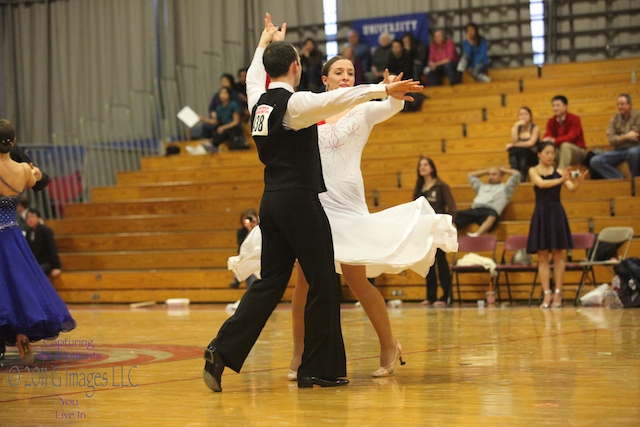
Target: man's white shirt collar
(275, 85)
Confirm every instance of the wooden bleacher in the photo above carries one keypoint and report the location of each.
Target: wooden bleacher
(167, 230)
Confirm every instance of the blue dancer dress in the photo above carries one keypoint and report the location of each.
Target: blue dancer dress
(549, 227)
(29, 304)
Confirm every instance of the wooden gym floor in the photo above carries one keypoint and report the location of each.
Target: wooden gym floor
(465, 367)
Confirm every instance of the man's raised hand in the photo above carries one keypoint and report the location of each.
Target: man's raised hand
(277, 34)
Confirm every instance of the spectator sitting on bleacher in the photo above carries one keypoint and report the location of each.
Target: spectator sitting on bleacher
(226, 80)
(379, 59)
(418, 52)
(491, 199)
(227, 119)
(523, 147)
(349, 53)
(442, 60)
(399, 60)
(623, 134)
(475, 54)
(565, 131)
(361, 50)
(311, 59)
(206, 128)
(240, 86)
(43, 245)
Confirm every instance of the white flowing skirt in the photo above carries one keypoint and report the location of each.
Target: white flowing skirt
(390, 241)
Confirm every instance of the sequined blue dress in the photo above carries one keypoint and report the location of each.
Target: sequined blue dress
(29, 304)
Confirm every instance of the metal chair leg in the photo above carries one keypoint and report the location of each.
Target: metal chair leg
(506, 279)
(533, 288)
(580, 284)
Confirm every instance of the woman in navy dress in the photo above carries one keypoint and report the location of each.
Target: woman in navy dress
(30, 308)
(549, 230)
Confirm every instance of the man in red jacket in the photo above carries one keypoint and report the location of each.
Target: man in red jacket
(565, 130)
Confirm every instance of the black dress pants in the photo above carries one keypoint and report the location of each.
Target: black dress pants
(294, 226)
(442, 265)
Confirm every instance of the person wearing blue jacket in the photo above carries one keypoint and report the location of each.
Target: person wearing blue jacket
(474, 54)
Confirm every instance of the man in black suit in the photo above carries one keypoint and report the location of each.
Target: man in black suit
(43, 244)
(292, 221)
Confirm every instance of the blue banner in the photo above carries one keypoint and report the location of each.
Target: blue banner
(416, 24)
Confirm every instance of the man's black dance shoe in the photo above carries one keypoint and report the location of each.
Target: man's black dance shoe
(308, 382)
(213, 367)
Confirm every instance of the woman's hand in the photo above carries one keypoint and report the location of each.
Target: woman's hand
(400, 88)
(37, 173)
(572, 182)
(389, 78)
(583, 175)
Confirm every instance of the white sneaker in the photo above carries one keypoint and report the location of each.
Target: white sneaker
(484, 78)
(394, 303)
(233, 306)
(462, 65)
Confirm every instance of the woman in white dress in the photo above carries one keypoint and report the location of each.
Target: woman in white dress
(365, 245)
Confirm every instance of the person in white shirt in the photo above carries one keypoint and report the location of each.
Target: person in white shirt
(491, 199)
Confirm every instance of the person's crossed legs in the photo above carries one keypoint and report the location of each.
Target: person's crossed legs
(486, 218)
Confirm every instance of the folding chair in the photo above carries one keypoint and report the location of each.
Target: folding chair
(616, 235)
(466, 244)
(581, 241)
(511, 245)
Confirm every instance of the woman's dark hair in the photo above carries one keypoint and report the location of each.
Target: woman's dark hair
(412, 39)
(420, 179)
(309, 39)
(546, 144)
(7, 135)
(327, 65)
(277, 58)
(475, 27)
(229, 77)
(528, 110)
(225, 89)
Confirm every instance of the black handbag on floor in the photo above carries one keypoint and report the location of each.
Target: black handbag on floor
(238, 142)
(629, 273)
